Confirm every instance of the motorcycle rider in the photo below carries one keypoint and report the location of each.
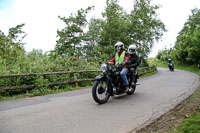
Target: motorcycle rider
(170, 62)
(133, 61)
(121, 56)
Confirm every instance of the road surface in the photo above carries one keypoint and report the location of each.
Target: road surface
(76, 111)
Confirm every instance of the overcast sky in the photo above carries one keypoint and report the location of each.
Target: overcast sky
(41, 18)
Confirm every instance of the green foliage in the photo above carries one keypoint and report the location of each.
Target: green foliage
(141, 27)
(145, 28)
(165, 54)
(78, 48)
(38, 62)
(72, 37)
(94, 36)
(191, 125)
(187, 47)
(188, 41)
(104, 33)
(11, 46)
(114, 26)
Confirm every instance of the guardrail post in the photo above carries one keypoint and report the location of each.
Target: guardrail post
(75, 78)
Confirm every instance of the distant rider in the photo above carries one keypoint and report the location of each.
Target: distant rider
(170, 61)
(170, 64)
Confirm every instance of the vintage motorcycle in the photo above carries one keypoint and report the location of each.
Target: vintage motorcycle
(110, 83)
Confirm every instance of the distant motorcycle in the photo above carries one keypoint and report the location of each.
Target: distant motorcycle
(110, 83)
(171, 66)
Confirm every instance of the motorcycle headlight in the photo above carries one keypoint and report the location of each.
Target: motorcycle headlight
(103, 68)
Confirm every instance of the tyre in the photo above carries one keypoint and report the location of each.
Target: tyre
(100, 92)
(131, 89)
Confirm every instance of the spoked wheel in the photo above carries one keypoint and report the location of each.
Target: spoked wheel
(100, 92)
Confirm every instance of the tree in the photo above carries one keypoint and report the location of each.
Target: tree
(115, 23)
(72, 37)
(94, 37)
(144, 27)
(165, 54)
(11, 46)
(112, 28)
(187, 45)
(141, 27)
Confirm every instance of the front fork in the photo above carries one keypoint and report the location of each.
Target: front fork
(109, 84)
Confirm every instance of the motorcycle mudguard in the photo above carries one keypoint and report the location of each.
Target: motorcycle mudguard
(107, 79)
(100, 77)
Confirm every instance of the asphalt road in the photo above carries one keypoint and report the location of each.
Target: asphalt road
(76, 112)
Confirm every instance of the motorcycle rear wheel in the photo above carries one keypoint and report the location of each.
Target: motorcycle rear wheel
(131, 90)
(100, 92)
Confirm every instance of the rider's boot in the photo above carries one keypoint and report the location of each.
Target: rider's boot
(126, 89)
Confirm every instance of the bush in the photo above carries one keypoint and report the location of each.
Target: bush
(37, 62)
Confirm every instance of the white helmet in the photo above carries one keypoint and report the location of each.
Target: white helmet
(131, 47)
(119, 44)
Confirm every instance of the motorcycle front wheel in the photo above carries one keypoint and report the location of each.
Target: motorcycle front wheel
(100, 92)
(131, 89)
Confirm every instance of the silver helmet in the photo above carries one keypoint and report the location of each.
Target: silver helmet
(119, 44)
(131, 49)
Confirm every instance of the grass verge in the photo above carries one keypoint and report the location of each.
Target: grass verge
(40, 93)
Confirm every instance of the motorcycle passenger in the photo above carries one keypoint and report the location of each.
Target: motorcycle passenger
(121, 56)
(133, 61)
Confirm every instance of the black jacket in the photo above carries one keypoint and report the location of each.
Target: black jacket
(133, 61)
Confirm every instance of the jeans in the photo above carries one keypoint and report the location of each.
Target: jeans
(123, 74)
